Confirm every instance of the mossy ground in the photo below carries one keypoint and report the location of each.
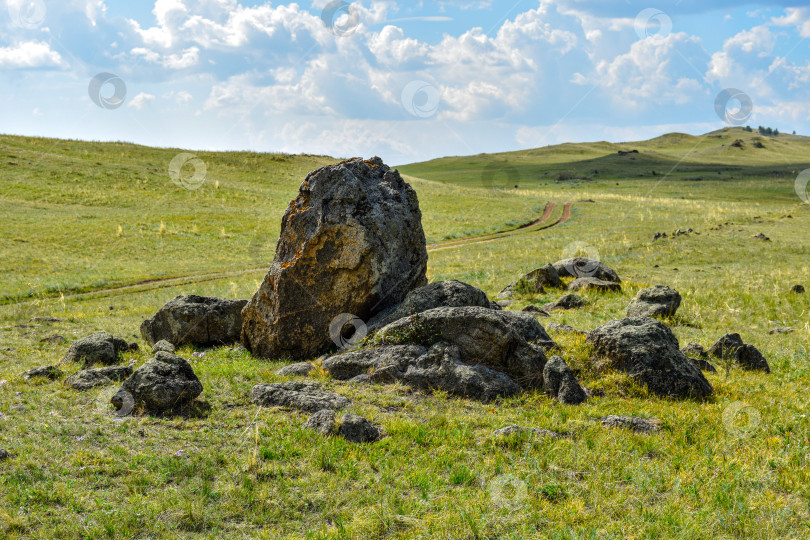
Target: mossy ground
(236, 470)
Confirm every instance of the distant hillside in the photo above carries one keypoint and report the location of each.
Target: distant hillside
(730, 153)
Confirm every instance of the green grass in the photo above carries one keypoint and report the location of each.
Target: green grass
(238, 471)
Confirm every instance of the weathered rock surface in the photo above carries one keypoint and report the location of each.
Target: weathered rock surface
(351, 242)
(450, 293)
(91, 378)
(163, 384)
(510, 342)
(44, 372)
(204, 321)
(101, 348)
(658, 301)
(556, 327)
(357, 429)
(748, 357)
(560, 383)
(531, 308)
(698, 355)
(568, 301)
(307, 397)
(633, 423)
(534, 282)
(322, 421)
(578, 267)
(648, 351)
(299, 369)
(164, 346)
(593, 284)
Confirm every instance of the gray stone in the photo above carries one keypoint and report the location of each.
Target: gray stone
(307, 397)
(203, 321)
(648, 351)
(695, 350)
(658, 301)
(633, 423)
(450, 293)
(54, 339)
(593, 284)
(503, 304)
(351, 364)
(560, 383)
(563, 328)
(301, 369)
(164, 346)
(568, 301)
(507, 341)
(534, 282)
(91, 378)
(578, 267)
(511, 430)
(44, 372)
(165, 383)
(531, 308)
(748, 357)
(100, 348)
(322, 421)
(3, 454)
(797, 289)
(781, 330)
(357, 429)
(351, 242)
(703, 365)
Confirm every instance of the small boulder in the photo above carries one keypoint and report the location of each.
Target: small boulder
(781, 330)
(695, 350)
(560, 383)
(578, 267)
(307, 397)
(761, 236)
(633, 423)
(164, 346)
(101, 348)
(450, 293)
(44, 372)
(203, 321)
(54, 339)
(569, 301)
(534, 282)
(322, 421)
(564, 328)
(658, 301)
(593, 284)
(300, 369)
(357, 429)
(163, 384)
(648, 351)
(91, 378)
(531, 308)
(3, 454)
(748, 357)
(798, 289)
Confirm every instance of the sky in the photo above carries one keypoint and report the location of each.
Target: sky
(407, 81)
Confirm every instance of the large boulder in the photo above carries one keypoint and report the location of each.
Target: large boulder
(450, 293)
(534, 282)
(748, 357)
(307, 397)
(351, 242)
(101, 348)
(578, 267)
(204, 321)
(163, 384)
(647, 350)
(91, 378)
(658, 301)
(507, 341)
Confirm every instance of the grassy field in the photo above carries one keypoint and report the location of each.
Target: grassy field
(99, 236)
